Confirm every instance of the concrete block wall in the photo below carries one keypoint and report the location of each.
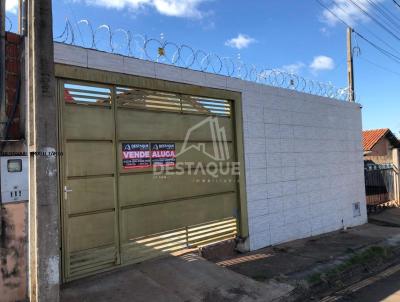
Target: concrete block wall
(303, 153)
(304, 165)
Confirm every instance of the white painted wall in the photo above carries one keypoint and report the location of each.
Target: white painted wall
(304, 165)
(303, 153)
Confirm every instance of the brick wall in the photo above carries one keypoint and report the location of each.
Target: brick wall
(13, 72)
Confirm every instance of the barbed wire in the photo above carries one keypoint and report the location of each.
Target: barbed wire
(124, 42)
(9, 24)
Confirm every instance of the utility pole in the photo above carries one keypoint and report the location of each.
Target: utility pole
(350, 69)
(44, 248)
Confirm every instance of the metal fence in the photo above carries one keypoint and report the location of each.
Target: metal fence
(124, 42)
(381, 184)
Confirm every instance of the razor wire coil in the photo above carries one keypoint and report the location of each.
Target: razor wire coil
(124, 42)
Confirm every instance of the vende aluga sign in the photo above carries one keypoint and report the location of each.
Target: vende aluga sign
(146, 155)
(163, 154)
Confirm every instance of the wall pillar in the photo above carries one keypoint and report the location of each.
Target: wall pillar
(44, 262)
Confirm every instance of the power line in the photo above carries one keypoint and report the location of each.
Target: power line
(388, 11)
(376, 20)
(366, 28)
(387, 14)
(380, 66)
(389, 22)
(395, 2)
(380, 49)
(333, 14)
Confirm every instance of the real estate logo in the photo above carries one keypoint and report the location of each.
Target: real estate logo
(220, 149)
(216, 150)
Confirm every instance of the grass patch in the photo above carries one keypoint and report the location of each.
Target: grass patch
(374, 254)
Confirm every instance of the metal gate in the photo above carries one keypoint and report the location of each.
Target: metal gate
(115, 210)
(380, 184)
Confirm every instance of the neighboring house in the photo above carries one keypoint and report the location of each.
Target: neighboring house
(380, 147)
(381, 161)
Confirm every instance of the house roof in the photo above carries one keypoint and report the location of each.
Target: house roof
(371, 137)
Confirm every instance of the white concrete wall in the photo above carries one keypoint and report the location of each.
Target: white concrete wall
(303, 153)
(304, 165)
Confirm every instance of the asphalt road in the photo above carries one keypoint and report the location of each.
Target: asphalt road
(387, 290)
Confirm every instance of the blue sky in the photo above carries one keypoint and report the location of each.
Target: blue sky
(298, 36)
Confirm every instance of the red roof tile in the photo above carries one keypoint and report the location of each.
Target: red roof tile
(371, 137)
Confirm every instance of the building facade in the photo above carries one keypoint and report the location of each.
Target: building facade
(239, 160)
(380, 146)
(290, 185)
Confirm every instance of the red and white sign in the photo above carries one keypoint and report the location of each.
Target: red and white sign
(145, 155)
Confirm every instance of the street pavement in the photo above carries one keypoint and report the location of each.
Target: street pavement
(387, 290)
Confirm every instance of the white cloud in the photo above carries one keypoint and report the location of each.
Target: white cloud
(322, 63)
(241, 41)
(12, 6)
(347, 11)
(175, 8)
(293, 68)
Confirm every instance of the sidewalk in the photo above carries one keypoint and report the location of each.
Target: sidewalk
(389, 217)
(286, 272)
(302, 263)
(187, 278)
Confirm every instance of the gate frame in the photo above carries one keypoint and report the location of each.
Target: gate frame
(74, 73)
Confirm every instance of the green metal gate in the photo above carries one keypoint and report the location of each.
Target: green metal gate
(114, 215)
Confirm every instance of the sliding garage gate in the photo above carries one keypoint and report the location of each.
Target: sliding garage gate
(115, 209)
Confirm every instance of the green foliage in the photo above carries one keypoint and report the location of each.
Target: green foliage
(372, 255)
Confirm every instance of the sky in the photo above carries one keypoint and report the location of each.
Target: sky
(302, 37)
